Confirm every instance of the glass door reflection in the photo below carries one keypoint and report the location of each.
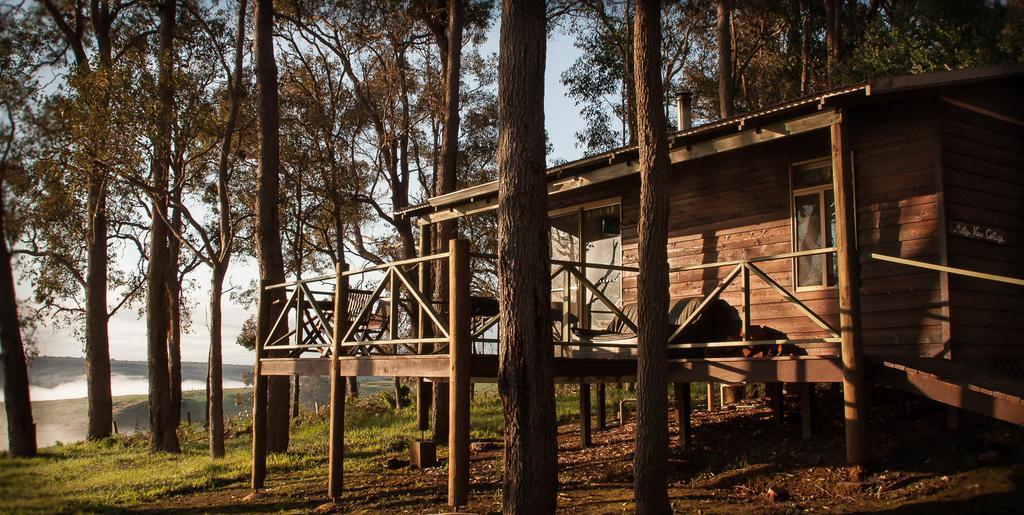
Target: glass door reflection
(585, 235)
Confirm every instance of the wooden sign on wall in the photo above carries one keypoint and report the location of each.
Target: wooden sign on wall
(978, 232)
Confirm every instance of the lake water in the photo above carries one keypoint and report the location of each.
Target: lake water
(61, 412)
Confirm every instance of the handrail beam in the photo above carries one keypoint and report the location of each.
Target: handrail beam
(786, 255)
(948, 269)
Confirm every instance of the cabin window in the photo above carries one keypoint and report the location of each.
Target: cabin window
(814, 224)
(586, 234)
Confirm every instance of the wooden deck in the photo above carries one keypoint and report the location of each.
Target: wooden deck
(992, 389)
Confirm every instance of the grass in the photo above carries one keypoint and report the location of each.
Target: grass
(120, 473)
(922, 466)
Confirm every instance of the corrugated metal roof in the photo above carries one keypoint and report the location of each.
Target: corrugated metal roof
(874, 87)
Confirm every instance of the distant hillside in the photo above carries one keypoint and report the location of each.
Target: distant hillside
(50, 371)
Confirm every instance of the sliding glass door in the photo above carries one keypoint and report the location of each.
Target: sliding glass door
(586, 234)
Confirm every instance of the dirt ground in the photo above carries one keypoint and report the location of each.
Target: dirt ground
(742, 461)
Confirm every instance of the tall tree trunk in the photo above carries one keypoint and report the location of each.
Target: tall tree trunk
(97, 340)
(162, 421)
(525, 377)
(268, 221)
(215, 375)
(805, 38)
(21, 431)
(174, 310)
(215, 368)
(627, 80)
(726, 83)
(446, 182)
(652, 282)
(833, 39)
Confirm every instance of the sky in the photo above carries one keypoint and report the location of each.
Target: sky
(128, 331)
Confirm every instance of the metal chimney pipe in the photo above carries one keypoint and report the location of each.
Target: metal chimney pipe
(684, 107)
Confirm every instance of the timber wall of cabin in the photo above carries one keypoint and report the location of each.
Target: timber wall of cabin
(983, 164)
(731, 206)
(736, 205)
(895, 148)
(908, 155)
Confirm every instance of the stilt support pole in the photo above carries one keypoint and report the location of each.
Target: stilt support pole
(854, 390)
(424, 391)
(681, 392)
(806, 410)
(336, 447)
(775, 392)
(259, 408)
(459, 349)
(584, 415)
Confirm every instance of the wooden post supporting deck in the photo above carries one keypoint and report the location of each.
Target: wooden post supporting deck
(584, 415)
(775, 393)
(423, 388)
(459, 347)
(336, 446)
(806, 409)
(259, 412)
(602, 424)
(854, 402)
(681, 392)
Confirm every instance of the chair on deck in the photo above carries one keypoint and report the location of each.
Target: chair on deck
(370, 329)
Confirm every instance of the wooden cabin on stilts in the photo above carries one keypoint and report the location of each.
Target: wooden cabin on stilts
(871, 234)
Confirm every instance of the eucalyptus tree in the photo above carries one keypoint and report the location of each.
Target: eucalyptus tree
(723, 23)
(525, 376)
(268, 214)
(91, 128)
(162, 419)
(213, 144)
(16, 86)
(651, 449)
(601, 79)
(390, 53)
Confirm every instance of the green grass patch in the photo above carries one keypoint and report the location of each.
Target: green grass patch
(120, 473)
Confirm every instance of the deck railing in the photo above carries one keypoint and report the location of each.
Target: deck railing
(743, 269)
(373, 322)
(374, 317)
(566, 271)
(948, 269)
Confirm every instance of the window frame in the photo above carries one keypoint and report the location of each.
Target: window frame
(820, 190)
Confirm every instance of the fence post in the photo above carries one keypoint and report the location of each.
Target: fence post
(459, 373)
(336, 449)
(259, 403)
(854, 391)
(806, 410)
